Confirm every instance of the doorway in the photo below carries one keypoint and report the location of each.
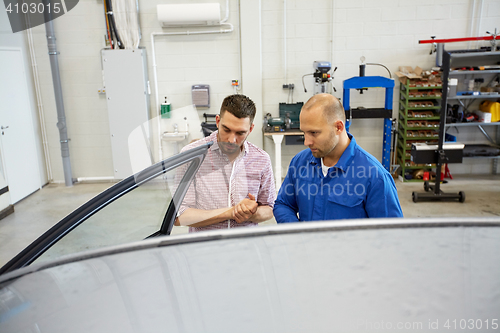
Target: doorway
(17, 133)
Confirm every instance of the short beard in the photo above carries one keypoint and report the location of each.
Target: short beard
(226, 146)
(321, 154)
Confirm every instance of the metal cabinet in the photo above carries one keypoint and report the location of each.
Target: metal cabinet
(476, 61)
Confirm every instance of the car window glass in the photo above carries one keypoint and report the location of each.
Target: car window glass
(132, 217)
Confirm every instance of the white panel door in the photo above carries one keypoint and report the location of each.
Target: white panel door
(17, 134)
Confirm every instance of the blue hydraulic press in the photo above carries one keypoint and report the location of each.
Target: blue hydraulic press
(361, 83)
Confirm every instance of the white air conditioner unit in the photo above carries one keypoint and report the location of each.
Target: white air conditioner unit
(189, 14)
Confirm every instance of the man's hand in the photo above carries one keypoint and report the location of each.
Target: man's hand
(245, 209)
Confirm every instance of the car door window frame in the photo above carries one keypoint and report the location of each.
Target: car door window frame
(78, 216)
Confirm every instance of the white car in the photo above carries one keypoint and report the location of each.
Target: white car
(119, 272)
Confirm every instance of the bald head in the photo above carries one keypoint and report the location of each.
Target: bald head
(331, 106)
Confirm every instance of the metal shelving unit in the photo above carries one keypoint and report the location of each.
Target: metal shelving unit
(471, 124)
(467, 100)
(455, 59)
(407, 128)
(465, 97)
(494, 71)
(484, 157)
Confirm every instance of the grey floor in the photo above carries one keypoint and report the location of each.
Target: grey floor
(41, 210)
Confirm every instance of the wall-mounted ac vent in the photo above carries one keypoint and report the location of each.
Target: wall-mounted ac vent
(189, 14)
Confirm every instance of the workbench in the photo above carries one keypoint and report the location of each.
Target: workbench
(278, 139)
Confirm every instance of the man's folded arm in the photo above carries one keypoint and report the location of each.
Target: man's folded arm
(200, 218)
(263, 213)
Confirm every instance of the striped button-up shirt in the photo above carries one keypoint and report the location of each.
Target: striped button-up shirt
(221, 183)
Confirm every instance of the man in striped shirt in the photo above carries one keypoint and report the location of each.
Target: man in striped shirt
(234, 186)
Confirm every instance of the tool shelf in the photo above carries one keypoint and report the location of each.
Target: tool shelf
(464, 97)
(403, 119)
(406, 144)
(469, 72)
(452, 60)
(418, 106)
(476, 59)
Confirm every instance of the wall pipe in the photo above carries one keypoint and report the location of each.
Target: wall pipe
(240, 70)
(227, 13)
(61, 116)
(478, 21)
(96, 179)
(155, 76)
(332, 49)
(478, 29)
(138, 22)
(284, 43)
(41, 115)
(471, 27)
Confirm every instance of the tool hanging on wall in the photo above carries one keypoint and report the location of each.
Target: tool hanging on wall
(290, 88)
(208, 127)
(321, 77)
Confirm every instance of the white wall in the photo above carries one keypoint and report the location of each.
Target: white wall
(341, 31)
(183, 61)
(79, 37)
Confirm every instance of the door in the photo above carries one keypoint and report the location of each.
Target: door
(141, 206)
(17, 135)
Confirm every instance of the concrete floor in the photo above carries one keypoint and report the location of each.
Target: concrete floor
(40, 211)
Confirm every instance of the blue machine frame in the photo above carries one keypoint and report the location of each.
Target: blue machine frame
(360, 82)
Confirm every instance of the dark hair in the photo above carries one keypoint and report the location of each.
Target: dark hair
(239, 106)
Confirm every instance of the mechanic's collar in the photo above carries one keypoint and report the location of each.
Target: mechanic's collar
(344, 160)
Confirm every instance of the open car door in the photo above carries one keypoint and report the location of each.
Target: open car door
(141, 206)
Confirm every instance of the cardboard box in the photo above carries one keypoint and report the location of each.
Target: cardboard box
(407, 73)
(484, 117)
(418, 77)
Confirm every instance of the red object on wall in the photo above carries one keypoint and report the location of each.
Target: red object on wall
(455, 40)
